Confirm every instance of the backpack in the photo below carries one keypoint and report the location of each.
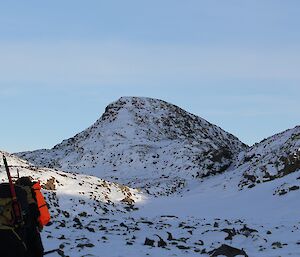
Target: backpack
(35, 197)
(44, 216)
(6, 211)
(38, 217)
(12, 236)
(22, 240)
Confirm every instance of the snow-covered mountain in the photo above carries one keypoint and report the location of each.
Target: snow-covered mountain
(273, 158)
(145, 143)
(149, 143)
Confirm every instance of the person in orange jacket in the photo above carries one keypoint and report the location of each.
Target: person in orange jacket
(37, 217)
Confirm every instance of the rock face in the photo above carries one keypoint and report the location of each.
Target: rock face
(145, 143)
(274, 157)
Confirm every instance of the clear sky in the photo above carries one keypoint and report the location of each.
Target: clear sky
(235, 63)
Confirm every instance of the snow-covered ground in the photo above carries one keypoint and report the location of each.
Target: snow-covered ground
(89, 219)
(257, 220)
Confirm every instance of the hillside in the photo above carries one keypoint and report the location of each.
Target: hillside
(145, 143)
(77, 185)
(74, 200)
(273, 158)
(93, 217)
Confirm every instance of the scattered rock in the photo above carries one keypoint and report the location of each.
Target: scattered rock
(227, 251)
(82, 214)
(182, 247)
(276, 245)
(293, 188)
(199, 242)
(85, 245)
(161, 242)
(231, 233)
(50, 184)
(149, 242)
(247, 231)
(170, 236)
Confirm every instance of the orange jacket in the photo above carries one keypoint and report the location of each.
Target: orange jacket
(44, 217)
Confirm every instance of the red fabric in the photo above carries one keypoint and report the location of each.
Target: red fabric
(44, 217)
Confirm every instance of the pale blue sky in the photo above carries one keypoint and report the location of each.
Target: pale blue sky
(235, 63)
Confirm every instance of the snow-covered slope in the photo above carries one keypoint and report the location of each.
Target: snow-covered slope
(273, 158)
(90, 219)
(93, 217)
(70, 193)
(145, 143)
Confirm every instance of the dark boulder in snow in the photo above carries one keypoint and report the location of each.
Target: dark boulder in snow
(228, 251)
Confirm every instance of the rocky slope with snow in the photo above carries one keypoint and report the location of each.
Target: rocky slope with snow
(273, 158)
(93, 217)
(74, 184)
(250, 209)
(71, 194)
(145, 143)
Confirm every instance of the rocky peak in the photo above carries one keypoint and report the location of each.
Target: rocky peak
(145, 142)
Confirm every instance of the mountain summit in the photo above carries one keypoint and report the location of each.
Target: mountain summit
(144, 142)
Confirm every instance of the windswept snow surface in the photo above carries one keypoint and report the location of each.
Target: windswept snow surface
(89, 219)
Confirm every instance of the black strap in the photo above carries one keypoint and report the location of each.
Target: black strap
(43, 205)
